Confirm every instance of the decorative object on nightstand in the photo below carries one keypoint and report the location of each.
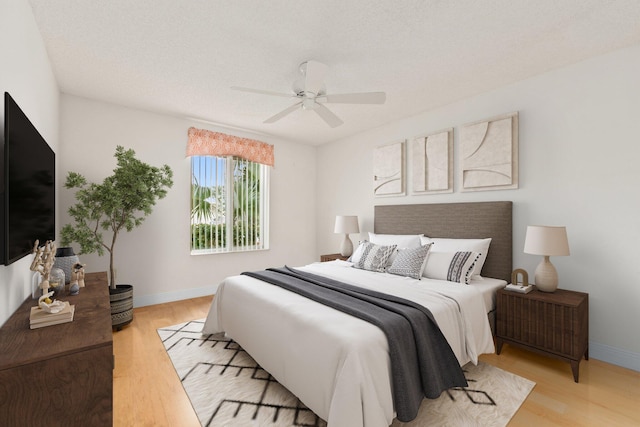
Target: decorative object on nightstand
(521, 285)
(546, 241)
(346, 224)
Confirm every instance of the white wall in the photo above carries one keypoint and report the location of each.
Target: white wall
(579, 151)
(155, 257)
(25, 72)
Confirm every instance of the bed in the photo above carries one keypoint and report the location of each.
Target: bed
(339, 365)
(460, 221)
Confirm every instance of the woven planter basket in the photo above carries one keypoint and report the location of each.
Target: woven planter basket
(121, 299)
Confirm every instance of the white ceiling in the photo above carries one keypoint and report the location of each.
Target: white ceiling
(182, 57)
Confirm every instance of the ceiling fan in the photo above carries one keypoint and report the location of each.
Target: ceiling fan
(310, 92)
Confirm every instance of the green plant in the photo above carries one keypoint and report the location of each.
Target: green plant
(121, 202)
(209, 211)
(208, 236)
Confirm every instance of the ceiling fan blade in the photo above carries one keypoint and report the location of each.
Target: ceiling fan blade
(356, 98)
(314, 76)
(326, 115)
(262, 92)
(283, 113)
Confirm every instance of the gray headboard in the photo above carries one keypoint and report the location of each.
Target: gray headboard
(456, 220)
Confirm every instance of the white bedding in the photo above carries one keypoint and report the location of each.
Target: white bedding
(336, 364)
(488, 288)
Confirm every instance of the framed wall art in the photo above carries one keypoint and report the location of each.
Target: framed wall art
(388, 170)
(489, 154)
(432, 163)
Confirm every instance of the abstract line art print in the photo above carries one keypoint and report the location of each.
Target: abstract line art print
(432, 163)
(489, 151)
(388, 170)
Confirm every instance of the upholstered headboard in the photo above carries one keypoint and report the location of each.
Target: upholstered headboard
(456, 220)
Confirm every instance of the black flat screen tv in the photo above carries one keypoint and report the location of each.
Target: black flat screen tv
(28, 186)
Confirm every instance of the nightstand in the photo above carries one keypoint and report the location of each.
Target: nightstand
(331, 257)
(554, 324)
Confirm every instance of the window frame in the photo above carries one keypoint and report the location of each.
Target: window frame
(230, 163)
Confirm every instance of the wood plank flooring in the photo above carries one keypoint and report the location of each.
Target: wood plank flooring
(147, 391)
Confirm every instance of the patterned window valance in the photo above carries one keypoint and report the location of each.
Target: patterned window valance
(207, 143)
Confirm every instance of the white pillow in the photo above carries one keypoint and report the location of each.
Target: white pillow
(402, 241)
(357, 254)
(410, 262)
(462, 245)
(451, 266)
(374, 257)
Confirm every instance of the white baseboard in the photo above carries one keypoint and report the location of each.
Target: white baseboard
(615, 356)
(141, 301)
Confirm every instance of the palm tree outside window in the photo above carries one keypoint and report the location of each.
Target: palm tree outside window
(229, 205)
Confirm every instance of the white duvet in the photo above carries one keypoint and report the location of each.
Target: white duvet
(336, 364)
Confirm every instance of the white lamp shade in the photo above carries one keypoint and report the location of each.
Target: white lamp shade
(546, 240)
(346, 224)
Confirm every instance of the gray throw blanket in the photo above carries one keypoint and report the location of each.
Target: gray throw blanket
(422, 362)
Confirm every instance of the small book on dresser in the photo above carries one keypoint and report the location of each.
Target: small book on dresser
(523, 289)
(39, 318)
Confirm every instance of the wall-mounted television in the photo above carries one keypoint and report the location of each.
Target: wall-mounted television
(28, 186)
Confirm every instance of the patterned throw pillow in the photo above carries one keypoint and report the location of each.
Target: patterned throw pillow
(451, 266)
(374, 257)
(462, 245)
(402, 241)
(410, 262)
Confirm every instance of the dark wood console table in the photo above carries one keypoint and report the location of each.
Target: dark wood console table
(61, 374)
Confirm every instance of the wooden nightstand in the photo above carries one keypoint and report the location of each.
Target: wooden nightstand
(554, 324)
(331, 257)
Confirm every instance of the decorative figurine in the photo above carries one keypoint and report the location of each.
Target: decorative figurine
(43, 262)
(522, 273)
(51, 307)
(77, 278)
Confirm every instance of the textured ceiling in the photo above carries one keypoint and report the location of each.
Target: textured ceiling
(182, 57)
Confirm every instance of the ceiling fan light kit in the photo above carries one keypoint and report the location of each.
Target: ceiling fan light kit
(311, 94)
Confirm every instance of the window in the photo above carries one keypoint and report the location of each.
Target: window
(229, 205)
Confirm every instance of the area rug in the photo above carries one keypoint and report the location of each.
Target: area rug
(228, 388)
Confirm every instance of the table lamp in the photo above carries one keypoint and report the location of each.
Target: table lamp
(546, 241)
(346, 224)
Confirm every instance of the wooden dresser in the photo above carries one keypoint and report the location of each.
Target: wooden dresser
(554, 324)
(61, 374)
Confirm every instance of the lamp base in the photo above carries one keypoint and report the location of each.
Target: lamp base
(347, 246)
(546, 276)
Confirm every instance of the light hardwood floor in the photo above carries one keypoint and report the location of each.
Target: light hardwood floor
(147, 391)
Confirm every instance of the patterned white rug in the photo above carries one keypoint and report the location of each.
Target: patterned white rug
(228, 388)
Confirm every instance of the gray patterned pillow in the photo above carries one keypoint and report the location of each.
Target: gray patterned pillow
(374, 257)
(410, 262)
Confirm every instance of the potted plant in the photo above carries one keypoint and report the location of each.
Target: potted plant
(120, 203)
